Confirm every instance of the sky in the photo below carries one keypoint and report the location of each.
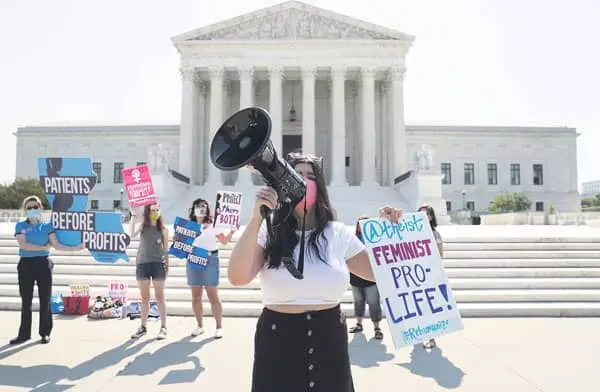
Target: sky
(473, 62)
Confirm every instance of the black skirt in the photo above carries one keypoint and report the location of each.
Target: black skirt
(302, 352)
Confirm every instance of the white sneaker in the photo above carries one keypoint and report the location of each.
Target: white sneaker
(162, 334)
(218, 333)
(197, 331)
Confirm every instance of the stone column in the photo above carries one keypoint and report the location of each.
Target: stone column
(199, 140)
(368, 127)
(338, 127)
(308, 110)
(216, 116)
(246, 100)
(384, 137)
(187, 130)
(275, 107)
(398, 131)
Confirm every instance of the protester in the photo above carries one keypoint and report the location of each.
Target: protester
(427, 209)
(301, 340)
(365, 292)
(207, 279)
(35, 238)
(152, 265)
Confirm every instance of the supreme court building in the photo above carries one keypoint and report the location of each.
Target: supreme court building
(334, 87)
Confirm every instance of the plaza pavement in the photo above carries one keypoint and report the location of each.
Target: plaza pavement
(508, 355)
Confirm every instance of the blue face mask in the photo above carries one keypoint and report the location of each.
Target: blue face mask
(33, 214)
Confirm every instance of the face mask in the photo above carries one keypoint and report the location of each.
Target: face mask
(33, 214)
(154, 215)
(200, 211)
(310, 198)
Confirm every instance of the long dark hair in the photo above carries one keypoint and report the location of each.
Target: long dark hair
(286, 237)
(199, 202)
(148, 223)
(430, 212)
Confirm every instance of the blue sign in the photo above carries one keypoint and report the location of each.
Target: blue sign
(185, 232)
(68, 183)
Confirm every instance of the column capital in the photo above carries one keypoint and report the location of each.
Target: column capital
(189, 74)
(368, 72)
(309, 72)
(384, 87)
(246, 73)
(396, 73)
(276, 72)
(216, 72)
(339, 72)
(202, 86)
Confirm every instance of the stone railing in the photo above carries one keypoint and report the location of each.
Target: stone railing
(542, 218)
(17, 215)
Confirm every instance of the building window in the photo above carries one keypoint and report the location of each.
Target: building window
(471, 205)
(446, 173)
(97, 168)
(538, 174)
(469, 173)
(118, 173)
(448, 206)
(492, 174)
(539, 206)
(94, 204)
(515, 174)
(116, 204)
(140, 163)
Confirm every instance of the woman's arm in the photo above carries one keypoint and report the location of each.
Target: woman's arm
(165, 235)
(57, 245)
(361, 266)
(440, 246)
(23, 244)
(132, 231)
(240, 270)
(225, 239)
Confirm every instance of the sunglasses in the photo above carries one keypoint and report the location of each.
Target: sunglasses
(29, 208)
(295, 157)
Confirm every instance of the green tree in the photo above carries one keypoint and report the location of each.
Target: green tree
(510, 202)
(12, 195)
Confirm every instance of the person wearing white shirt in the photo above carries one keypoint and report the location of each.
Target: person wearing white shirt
(207, 279)
(301, 339)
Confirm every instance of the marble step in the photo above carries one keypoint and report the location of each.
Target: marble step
(179, 269)
(254, 295)
(501, 309)
(456, 283)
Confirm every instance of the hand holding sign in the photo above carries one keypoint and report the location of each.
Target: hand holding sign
(391, 213)
(183, 244)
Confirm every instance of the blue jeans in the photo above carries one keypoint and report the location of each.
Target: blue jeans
(369, 295)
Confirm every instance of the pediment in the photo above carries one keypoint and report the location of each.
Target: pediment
(292, 20)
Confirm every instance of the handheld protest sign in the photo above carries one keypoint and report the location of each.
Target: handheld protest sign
(67, 183)
(228, 209)
(185, 232)
(411, 279)
(138, 184)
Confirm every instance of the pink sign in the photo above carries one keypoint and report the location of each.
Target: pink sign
(138, 184)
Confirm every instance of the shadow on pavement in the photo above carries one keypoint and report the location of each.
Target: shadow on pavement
(366, 354)
(431, 364)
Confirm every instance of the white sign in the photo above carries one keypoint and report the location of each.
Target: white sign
(411, 279)
(227, 210)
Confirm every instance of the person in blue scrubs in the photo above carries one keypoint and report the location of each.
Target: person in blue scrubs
(35, 239)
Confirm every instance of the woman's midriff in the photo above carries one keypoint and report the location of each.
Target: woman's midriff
(294, 309)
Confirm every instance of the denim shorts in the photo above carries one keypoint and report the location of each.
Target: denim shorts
(147, 271)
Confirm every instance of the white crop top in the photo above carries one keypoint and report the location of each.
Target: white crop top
(323, 283)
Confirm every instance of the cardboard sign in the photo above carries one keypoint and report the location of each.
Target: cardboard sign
(118, 290)
(411, 279)
(227, 210)
(67, 183)
(138, 185)
(79, 290)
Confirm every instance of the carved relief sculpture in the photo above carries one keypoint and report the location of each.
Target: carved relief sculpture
(424, 159)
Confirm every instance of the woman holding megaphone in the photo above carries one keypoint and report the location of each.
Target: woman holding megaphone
(301, 341)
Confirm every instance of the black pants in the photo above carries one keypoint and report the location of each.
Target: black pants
(302, 352)
(32, 270)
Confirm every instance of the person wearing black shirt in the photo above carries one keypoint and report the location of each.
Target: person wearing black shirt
(365, 292)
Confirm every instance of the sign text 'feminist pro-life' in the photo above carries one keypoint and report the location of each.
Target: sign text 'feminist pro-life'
(67, 183)
(411, 279)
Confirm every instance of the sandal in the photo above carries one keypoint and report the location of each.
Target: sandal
(430, 344)
(356, 328)
(378, 334)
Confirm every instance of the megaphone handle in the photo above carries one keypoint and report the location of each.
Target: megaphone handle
(265, 212)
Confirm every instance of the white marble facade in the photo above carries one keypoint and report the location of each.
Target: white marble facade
(344, 79)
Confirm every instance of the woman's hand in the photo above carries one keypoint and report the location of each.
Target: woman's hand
(391, 213)
(265, 197)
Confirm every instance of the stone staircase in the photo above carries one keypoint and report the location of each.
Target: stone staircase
(491, 276)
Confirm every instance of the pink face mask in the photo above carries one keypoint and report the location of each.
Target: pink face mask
(310, 198)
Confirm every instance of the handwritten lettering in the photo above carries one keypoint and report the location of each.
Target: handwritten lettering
(402, 251)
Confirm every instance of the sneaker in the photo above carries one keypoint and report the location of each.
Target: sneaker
(218, 333)
(141, 331)
(162, 334)
(197, 331)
